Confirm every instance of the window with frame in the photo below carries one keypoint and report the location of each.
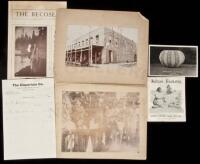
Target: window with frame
(97, 39)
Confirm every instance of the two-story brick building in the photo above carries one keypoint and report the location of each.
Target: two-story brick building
(101, 46)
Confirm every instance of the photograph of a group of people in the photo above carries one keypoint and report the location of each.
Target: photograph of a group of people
(100, 121)
(167, 98)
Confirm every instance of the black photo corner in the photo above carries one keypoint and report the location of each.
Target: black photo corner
(171, 22)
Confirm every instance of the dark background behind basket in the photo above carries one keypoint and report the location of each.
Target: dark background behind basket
(189, 53)
(171, 22)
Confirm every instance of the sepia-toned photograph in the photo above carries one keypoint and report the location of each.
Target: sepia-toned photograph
(166, 60)
(30, 51)
(100, 121)
(101, 46)
(166, 98)
(92, 47)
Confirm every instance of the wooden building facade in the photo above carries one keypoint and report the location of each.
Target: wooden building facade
(101, 46)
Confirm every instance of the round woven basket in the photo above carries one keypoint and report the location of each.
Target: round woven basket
(171, 58)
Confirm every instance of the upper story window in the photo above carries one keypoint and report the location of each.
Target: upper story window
(97, 38)
(79, 44)
(87, 42)
(125, 44)
(91, 40)
(110, 39)
(82, 42)
(116, 42)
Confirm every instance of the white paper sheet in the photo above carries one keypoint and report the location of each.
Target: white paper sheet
(166, 99)
(29, 119)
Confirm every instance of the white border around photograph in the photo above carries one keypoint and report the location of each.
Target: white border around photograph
(173, 60)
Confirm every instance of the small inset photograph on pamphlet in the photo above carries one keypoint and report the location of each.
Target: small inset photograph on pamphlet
(30, 51)
(101, 46)
(166, 99)
(170, 60)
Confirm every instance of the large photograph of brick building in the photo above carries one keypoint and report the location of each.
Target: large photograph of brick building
(95, 46)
